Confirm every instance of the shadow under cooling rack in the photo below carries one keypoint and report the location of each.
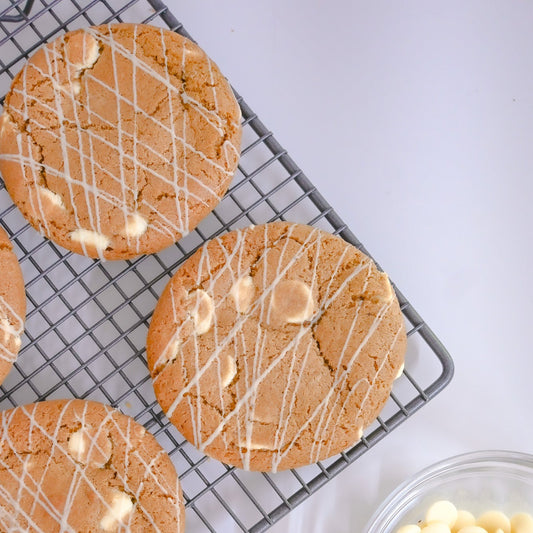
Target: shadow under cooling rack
(87, 320)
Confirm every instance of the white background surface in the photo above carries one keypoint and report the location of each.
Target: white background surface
(415, 120)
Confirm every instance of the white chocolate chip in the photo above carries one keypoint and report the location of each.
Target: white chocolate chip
(436, 527)
(5, 119)
(76, 87)
(243, 291)
(77, 445)
(168, 355)
(442, 511)
(389, 293)
(5, 326)
(52, 197)
(9, 333)
(256, 446)
(472, 529)
(293, 301)
(119, 508)
(72, 87)
(90, 238)
(494, 520)
(17, 341)
(400, 371)
(86, 449)
(464, 519)
(136, 225)
(172, 351)
(202, 311)
(91, 52)
(28, 464)
(228, 371)
(410, 528)
(522, 523)
(83, 51)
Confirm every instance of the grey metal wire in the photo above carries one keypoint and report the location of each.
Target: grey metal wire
(87, 320)
(21, 12)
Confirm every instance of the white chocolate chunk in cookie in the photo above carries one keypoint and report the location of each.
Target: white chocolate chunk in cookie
(389, 293)
(256, 445)
(77, 445)
(9, 333)
(71, 87)
(228, 370)
(86, 449)
(82, 50)
(91, 238)
(400, 371)
(51, 197)
(75, 86)
(6, 328)
(243, 291)
(293, 301)
(522, 523)
(494, 520)
(442, 511)
(170, 353)
(120, 508)
(202, 309)
(136, 225)
(5, 119)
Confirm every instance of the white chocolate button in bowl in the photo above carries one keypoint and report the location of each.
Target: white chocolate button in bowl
(479, 492)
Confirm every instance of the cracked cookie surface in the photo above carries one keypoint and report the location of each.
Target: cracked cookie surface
(274, 346)
(74, 465)
(117, 140)
(12, 306)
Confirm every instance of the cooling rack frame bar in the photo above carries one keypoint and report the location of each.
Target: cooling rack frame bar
(157, 423)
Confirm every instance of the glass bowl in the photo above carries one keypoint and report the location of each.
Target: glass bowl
(476, 482)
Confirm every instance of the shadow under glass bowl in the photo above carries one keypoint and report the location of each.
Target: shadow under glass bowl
(476, 482)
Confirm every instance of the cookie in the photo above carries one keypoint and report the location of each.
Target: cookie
(274, 346)
(12, 306)
(74, 465)
(118, 140)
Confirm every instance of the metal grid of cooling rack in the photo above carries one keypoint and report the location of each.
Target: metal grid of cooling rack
(87, 320)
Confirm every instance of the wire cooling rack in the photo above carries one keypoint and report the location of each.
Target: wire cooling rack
(87, 320)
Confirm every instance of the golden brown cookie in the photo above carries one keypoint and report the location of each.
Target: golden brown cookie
(12, 305)
(274, 346)
(81, 466)
(117, 140)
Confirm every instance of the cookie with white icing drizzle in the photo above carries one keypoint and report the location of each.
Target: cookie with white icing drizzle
(12, 305)
(117, 140)
(274, 346)
(80, 466)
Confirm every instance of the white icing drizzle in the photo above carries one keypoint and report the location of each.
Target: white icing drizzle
(30, 484)
(328, 410)
(82, 144)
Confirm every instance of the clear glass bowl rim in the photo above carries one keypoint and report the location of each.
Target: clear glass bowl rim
(388, 510)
